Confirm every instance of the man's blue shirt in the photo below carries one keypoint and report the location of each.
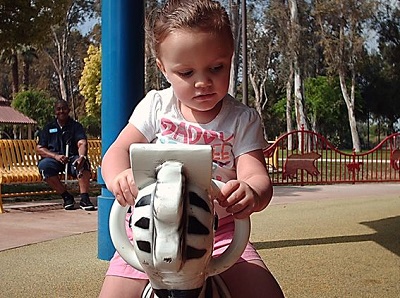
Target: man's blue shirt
(55, 138)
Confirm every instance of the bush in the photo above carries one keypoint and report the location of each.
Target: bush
(35, 104)
(92, 126)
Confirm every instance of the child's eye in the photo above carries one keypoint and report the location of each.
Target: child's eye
(185, 74)
(216, 68)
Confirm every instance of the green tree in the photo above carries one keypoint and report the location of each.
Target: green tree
(326, 109)
(90, 81)
(23, 24)
(63, 39)
(36, 104)
(389, 73)
(341, 25)
(90, 89)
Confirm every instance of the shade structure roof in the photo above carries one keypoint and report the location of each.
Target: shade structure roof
(9, 115)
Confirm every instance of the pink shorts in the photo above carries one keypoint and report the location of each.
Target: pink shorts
(222, 239)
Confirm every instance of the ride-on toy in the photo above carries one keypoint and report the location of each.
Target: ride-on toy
(173, 222)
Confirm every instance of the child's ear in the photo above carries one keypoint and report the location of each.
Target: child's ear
(160, 66)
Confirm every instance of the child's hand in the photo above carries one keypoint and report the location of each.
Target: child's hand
(124, 189)
(238, 198)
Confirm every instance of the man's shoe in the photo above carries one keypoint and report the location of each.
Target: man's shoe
(69, 203)
(87, 205)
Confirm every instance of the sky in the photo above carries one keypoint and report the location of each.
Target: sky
(88, 25)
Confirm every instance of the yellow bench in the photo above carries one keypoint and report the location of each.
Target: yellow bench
(18, 165)
(271, 157)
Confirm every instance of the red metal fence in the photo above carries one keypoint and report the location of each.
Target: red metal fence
(304, 157)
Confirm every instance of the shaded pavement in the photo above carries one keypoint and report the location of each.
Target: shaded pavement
(319, 241)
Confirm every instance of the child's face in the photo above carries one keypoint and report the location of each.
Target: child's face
(197, 64)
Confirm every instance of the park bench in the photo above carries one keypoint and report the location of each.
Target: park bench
(18, 165)
(271, 157)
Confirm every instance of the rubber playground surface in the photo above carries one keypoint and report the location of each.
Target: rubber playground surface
(318, 241)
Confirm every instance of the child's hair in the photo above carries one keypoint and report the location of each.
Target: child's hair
(199, 15)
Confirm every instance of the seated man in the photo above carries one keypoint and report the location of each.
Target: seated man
(54, 139)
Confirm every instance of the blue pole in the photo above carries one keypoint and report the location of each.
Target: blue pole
(122, 88)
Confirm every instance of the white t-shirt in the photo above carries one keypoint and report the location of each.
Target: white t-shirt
(236, 130)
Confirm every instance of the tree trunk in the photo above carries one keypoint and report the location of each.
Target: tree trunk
(61, 81)
(15, 77)
(349, 100)
(295, 46)
(289, 106)
(71, 96)
(25, 77)
(28, 55)
(235, 21)
(301, 119)
(60, 62)
(258, 92)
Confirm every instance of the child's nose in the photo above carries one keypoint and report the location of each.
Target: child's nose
(202, 81)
